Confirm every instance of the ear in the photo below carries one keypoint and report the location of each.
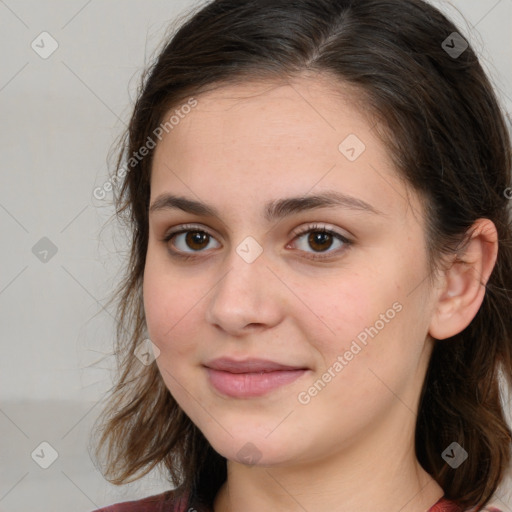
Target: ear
(463, 284)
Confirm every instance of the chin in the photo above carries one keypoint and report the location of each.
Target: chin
(252, 448)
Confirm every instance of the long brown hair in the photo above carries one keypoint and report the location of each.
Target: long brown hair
(438, 115)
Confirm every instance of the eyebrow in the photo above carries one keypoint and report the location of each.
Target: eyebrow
(273, 210)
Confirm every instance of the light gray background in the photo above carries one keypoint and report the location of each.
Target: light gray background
(59, 117)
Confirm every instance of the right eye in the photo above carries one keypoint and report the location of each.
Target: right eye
(188, 237)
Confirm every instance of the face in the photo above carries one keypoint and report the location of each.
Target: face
(320, 309)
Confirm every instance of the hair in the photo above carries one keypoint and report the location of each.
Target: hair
(440, 119)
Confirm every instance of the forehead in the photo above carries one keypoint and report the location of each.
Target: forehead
(300, 110)
(276, 138)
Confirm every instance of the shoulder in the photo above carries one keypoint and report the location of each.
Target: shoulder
(164, 502)
(488, 508)
(444, 505)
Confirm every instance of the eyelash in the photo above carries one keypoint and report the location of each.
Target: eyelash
(312, 228)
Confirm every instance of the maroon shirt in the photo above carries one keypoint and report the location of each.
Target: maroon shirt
(166, 502)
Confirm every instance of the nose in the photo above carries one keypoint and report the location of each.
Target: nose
(249, 296)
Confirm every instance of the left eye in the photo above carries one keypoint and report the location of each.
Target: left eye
(320, 240)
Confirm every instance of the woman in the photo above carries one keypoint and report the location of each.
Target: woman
(320, 262)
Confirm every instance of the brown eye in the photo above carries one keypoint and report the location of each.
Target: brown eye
(320, 240)
(196, 240)
(317, 240)
(189, 241)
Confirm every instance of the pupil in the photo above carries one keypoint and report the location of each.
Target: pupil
(320, 238)
(196, 238)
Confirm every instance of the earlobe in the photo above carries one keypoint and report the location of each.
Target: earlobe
(464, 282)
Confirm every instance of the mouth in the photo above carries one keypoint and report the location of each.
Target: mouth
(251, 377)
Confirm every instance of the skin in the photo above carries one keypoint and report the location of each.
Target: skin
(351, 447)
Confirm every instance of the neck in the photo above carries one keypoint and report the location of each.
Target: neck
(344, 481)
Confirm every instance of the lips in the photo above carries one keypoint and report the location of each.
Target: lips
(249, 366)
(251, 377)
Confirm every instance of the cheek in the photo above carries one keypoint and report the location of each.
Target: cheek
(171, 306)
(366, 320)
(340, 310)
(171, 318)
(380, 359)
